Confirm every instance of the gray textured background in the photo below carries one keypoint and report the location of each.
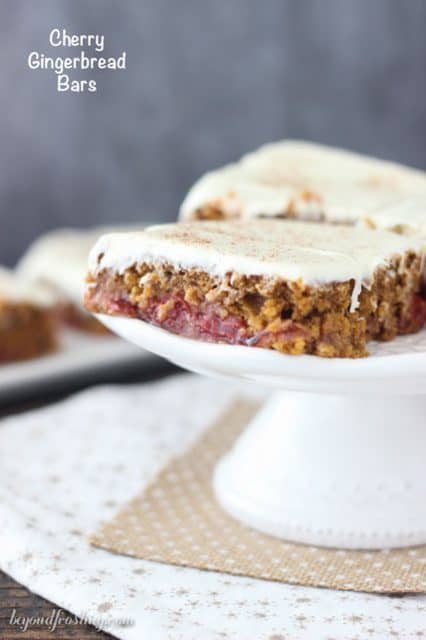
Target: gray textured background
(207, 80)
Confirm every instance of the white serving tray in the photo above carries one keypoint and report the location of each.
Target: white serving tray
(79, 354)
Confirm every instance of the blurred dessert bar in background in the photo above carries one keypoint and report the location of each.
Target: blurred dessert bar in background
(27, 323)
(295, 287)
(293, 179)
(59, 260)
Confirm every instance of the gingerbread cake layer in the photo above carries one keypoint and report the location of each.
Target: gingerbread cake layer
(290, 286)
(27, 322)
(292, 179)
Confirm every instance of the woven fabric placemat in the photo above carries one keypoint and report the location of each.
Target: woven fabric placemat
(177, 520)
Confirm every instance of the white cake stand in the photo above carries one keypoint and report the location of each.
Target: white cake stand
(338, 459)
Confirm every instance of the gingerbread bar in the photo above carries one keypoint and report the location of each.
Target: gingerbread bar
(59, 259)
(27, 324)
(292, 179)
(295, 287)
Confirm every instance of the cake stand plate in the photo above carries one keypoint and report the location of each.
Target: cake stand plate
(337, 456)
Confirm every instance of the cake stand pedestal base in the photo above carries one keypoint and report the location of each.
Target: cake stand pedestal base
(331, 470)
(343, 470)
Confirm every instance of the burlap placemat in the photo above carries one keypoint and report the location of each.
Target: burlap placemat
(176, 520)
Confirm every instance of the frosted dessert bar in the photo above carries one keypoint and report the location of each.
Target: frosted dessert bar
(27, 325)
(291, 286)
(292, 179)
(59, 259)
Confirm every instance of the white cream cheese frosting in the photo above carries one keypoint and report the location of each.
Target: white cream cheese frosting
(309, 181)
(407, 216)
(59, 258)
(16, 289)
(314, 254)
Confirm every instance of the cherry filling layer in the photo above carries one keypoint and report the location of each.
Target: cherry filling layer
(415, 318)
(210, 322)
(207, 321)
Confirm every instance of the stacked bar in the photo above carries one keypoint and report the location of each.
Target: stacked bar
(307, 181)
